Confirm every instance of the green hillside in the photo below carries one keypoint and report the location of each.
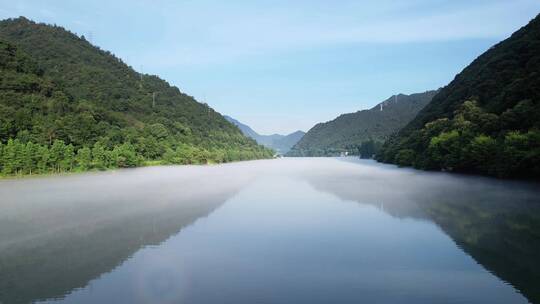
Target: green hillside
(361, 132)
(486, 120)
(67, 105)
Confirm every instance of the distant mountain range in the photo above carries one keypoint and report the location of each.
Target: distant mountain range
(349, 132)
(487, 120)
(280, 143)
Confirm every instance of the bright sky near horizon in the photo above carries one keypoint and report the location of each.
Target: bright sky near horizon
(281, 65)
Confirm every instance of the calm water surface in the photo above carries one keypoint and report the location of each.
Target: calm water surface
(310, 230)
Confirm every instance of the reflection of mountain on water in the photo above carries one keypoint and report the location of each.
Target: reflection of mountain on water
(505, 240)
(52, 243)
(57, 234)
(497, 223)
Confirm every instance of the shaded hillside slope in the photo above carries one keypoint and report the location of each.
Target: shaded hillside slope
(349, 131)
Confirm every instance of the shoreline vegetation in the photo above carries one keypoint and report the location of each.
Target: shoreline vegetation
(144, 164)
(19, 159)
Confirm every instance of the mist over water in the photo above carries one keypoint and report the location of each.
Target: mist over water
(303, 230)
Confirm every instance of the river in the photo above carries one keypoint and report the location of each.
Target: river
(292, 230)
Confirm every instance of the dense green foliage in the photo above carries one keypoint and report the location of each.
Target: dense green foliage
(279, 143)
(472, 141)
(56, 88)
(363, 130)
(487, 120)
(369, 148)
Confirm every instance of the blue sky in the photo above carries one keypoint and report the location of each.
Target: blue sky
(279, 65)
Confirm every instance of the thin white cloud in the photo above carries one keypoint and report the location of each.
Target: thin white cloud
(212, 38)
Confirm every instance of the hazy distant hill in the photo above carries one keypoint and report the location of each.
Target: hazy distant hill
(280, 143)
(57, 88)
(486, 120)
(349, 131)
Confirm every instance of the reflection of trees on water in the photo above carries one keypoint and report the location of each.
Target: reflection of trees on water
(503, 239)
(67, 231)
(495, 222)
(42, 257)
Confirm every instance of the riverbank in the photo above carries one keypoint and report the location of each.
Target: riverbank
(150, 163)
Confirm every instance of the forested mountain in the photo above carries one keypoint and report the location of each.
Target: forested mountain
(280, 143)
(65, 104)
(486, 120)
(364, 131)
